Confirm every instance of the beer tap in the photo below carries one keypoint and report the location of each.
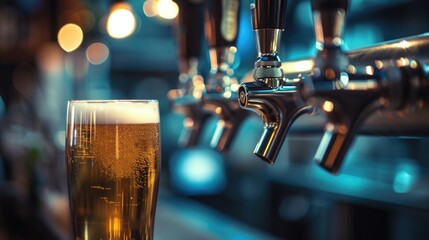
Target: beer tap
(220, 98)
(348, 93)
(187, 98)
(273, 97)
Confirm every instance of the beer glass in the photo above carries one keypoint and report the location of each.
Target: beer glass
(113, 166)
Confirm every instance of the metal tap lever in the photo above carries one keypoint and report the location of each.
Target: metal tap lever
(327, 89)
(346, 94)
(221, 96)
(278, 108)
(392, 86)
(277, 101)
(230, 117)
(187, 97)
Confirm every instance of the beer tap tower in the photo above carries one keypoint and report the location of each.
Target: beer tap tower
(187, 98)
(379, 89)
(220, 98)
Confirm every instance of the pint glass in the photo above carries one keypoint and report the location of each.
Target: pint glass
(113, 165)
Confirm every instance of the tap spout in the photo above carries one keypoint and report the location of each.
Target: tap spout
(392, 87)
(269, 95)
(230, 117)
(278, 109)
(195, 118)
(345, 112)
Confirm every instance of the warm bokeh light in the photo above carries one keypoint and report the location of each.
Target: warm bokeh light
(150, 8)
(70, 37)
(167, 9)
(298, 66)
(328, 106)
(121, 22)
(97, 53)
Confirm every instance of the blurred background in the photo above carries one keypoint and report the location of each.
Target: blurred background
(52, 51)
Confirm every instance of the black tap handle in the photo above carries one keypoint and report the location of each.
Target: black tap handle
(222, 22)
(320, 5)
(269, 14)
(189, 28)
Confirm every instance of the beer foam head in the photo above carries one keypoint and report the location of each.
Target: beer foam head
(117, 111)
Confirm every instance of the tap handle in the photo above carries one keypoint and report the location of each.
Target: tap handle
(269, 14)
(189, 31)
(268, 21)
(222, 23)
(320, 5)
(329, 17)
(278, 110)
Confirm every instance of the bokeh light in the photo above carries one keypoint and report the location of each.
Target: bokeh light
(167, 9)
(70, 37)
(197, 172)
(406, 176)
(97, 53)
(121, 22)
(150, 8)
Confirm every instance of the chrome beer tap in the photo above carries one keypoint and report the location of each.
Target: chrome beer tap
(187, 98)
(347, 91)
(273, 97)
(220, 97)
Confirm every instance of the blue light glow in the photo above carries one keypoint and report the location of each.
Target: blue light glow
(303, 15)
(406, 176)
(362, 35)
(402, 182)
(197, 172)
(2, 107)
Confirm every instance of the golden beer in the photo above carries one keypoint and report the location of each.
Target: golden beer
(113, 164)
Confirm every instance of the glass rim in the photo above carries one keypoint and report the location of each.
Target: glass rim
(115, 101)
